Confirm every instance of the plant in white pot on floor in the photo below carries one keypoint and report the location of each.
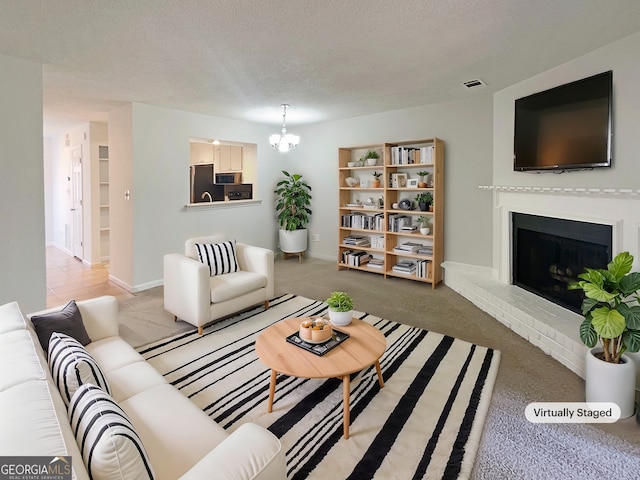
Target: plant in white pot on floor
(612, 321)
(293, 198)
(340, 308)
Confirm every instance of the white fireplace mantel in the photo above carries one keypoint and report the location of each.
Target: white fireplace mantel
(619, 192)
(553, 328)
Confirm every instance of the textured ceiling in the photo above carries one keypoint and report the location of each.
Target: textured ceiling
(329, 59)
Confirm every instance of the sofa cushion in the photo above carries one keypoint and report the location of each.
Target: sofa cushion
(132, 379)
(110, 446)
(176, 441)
(67, 321)
(72, 366)
(220, 257)
(18, 359)
(233, 285)
(29, 421)
(11, 318)
(113, 353)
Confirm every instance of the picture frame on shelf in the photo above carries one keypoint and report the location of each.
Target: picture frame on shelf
(412, 182)
(401, 179)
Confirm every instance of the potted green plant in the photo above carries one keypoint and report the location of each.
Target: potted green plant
(293, 199)
(375, 183)
(371, 157)
(610, 328)
(424, 199)
(422, 180)
(340, 308)
(424, 222)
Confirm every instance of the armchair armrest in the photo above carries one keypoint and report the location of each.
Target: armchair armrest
(251, 452)
(187, 289)
(258, 260)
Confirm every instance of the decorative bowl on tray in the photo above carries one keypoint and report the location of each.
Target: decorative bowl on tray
(315, 330)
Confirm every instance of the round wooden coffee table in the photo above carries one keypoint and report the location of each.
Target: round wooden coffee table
(362, 349)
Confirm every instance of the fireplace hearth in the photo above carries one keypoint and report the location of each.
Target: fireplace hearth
(549, 253)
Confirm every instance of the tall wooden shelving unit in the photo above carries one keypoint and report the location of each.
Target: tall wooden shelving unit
(384, 202)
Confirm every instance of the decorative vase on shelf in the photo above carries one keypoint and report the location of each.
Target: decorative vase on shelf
(424, 230)
(375, 183)
(372, 162)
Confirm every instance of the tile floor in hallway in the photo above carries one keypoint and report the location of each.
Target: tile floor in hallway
(68, 278)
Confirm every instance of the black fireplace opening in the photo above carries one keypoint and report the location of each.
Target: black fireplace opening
(549, 253)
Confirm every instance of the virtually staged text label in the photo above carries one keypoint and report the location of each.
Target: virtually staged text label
(572, 412)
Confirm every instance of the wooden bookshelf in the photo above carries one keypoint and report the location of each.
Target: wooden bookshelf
(367, 213)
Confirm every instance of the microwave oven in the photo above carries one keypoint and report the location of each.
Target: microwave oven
(229, 177)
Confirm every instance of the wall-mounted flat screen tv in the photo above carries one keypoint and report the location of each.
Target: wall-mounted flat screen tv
(566, 127)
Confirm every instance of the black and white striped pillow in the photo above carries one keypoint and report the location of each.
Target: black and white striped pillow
(221, 257)
(71, 366)
(110, 446)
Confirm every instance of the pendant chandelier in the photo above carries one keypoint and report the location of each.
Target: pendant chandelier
(283, 142)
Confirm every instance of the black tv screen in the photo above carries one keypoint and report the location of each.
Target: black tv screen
(566, 127)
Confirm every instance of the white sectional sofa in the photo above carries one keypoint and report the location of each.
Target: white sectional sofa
(181, 441)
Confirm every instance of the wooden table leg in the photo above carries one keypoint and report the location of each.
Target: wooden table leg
(346, 387)
(380, 380)
(272, 390)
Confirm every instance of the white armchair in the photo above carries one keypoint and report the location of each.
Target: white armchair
(192, 295)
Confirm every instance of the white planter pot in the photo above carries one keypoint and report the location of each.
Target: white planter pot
(340, 318)
(293, 241)
(610, 382)
(425, 230)
(372, 162)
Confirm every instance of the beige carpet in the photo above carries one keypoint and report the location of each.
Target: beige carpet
(526, 374)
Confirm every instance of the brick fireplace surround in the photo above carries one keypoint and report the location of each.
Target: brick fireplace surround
(546, 325)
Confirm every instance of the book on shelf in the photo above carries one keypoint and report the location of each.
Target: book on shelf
(358, 240)
(376, 263)
(405, 267)
(411, 155)
(377, 242)
(396, 221)
(355, 258)
(422, 268)
(363, 221)
(408, 247)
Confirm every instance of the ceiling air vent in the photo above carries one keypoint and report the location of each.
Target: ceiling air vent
(476, 82)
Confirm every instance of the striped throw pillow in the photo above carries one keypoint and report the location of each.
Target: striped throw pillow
(110, 446)
(71, 366)
(221, 257)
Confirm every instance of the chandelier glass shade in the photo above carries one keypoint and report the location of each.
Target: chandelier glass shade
(284, 142)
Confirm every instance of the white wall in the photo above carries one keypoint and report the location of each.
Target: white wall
(22, 255)
(464, 126)
(48, 166)
(622, 58)
(121, 209)
(155, 221)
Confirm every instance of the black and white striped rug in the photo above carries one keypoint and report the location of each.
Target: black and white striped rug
(425, 423)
